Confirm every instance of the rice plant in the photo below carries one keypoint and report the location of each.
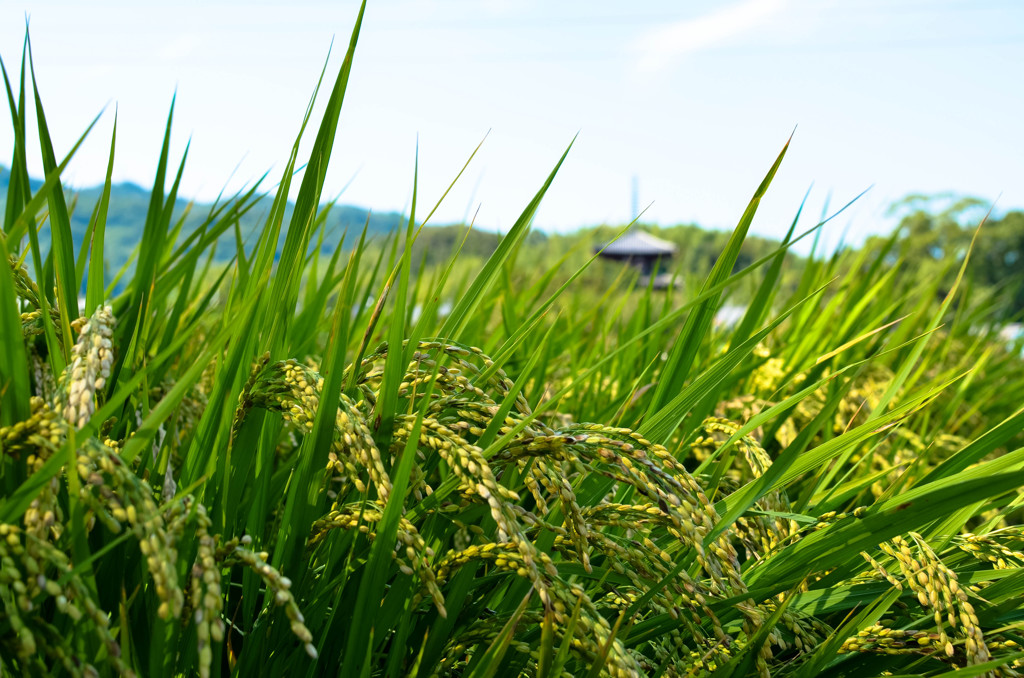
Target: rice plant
(349, 464)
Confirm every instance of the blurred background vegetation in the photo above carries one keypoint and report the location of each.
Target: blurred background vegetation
(933, 232)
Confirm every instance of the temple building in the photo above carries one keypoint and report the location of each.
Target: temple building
(645, 252)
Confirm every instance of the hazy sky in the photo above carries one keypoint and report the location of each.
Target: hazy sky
(692, 99)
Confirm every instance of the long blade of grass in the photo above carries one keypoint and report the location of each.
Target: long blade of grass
(760, 306)
(910, 362)
(14, 384)
(842, 542)
(60, 221)
(469, 301)
(286, 283)
(684, 350)
(489, 663)
(663, 423)
(19, 190)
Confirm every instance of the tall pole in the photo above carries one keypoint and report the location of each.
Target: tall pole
(634, 199)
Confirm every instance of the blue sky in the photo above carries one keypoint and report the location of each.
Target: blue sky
(692, 99)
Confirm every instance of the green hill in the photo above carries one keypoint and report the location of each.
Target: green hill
(129, 202)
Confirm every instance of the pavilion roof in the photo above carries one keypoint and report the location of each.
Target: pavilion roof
(640, 244)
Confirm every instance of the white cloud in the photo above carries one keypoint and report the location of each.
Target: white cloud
(660, 47)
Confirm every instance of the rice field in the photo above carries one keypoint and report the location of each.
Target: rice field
(305, 464)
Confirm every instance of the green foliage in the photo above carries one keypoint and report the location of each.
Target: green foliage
(452, 454)
(128, 204)
(938, 229)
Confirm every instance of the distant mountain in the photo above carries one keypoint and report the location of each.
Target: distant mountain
(129, 203)
(5, 179)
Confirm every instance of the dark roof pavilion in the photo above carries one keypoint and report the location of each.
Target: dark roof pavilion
(639, 245)
(645, 252)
